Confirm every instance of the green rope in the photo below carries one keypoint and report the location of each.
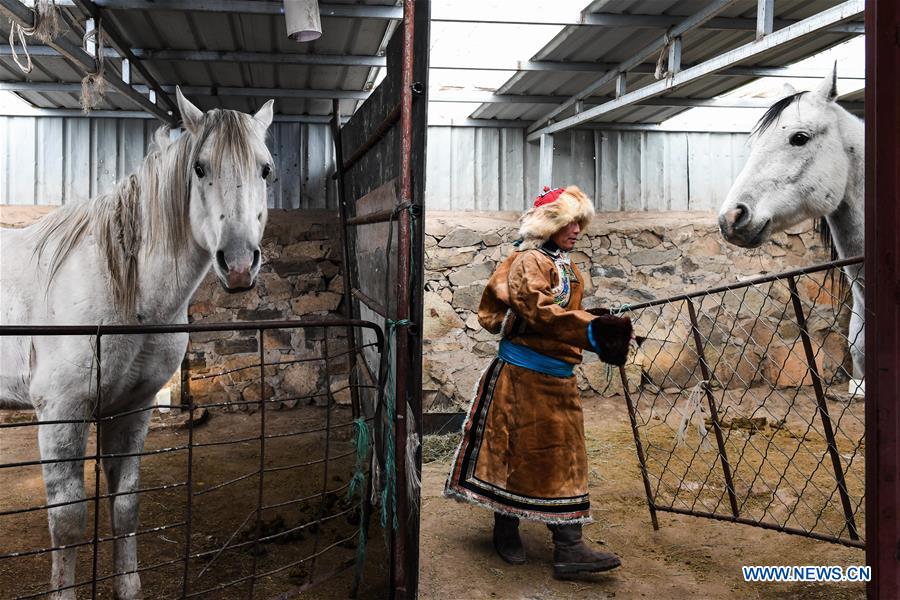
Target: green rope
(389, 493)
(357, 484)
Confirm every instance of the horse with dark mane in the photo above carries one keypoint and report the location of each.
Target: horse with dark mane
(806, 162)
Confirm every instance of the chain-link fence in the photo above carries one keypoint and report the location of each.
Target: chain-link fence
(743, 403)
(255, 503)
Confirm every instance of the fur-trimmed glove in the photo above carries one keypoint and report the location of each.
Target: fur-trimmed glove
(612, 335)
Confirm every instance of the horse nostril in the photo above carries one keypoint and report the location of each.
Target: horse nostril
(255, 259)
(742, 215)
(220, 260)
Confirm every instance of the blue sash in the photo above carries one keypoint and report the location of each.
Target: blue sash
(521, 356)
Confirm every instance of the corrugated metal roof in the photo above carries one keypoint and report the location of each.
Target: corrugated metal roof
(238, 32)
(616, 44)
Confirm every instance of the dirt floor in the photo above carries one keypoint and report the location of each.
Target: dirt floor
(688, 558)
(218, 515)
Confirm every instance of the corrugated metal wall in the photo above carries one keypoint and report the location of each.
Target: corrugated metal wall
(48, 160)
(496, 169)
(56, 160)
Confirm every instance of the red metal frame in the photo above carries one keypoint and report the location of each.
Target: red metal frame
(883, 296)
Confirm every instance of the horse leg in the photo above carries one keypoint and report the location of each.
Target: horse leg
(857, 337)
(64, 483)
(124, 435)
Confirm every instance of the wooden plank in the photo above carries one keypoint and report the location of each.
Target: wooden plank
(630, 171)
(609, 171)
(291, 150)
(462, 161)
(532, 167)
(316, 167)
(653, 177)
(562, 160)
(49, 170)
(699, 169)
(104, 148)
(439, 170)
(676, 184)
(4, 160)
(132, 144)
(487, 169)
(77, 180)
(582, 161)
(512, 169)
(22, 168)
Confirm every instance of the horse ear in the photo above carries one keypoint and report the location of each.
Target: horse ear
(190, 114)
(264, 115)
(827, 90)
(788, 90)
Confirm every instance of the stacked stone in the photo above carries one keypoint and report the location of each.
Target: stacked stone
(300, 278)
(628, 258)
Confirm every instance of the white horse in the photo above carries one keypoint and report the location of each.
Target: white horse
(134, 255)
(806, 162)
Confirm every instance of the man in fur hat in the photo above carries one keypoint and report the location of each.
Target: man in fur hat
(523, 453)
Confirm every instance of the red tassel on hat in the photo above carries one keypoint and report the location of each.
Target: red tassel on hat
(548, 196)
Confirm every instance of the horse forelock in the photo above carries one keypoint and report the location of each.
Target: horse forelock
(149, 207)
(773, 113)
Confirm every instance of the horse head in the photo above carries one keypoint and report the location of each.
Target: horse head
(797, 169)
(229, 168)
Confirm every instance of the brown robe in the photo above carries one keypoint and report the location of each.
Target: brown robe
(523, 449)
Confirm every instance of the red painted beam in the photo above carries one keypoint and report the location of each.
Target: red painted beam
(883, 297)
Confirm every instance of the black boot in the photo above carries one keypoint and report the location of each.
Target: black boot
(571, 555)
(507, 542)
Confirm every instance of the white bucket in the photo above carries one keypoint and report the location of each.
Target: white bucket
(304, 23)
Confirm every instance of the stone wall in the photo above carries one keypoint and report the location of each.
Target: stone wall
(629, 258)
(300, 278)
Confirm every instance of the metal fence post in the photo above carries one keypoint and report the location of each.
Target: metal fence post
(713, 412)
(823, 410)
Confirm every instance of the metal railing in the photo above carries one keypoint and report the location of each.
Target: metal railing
(222, 521)
(741, 408)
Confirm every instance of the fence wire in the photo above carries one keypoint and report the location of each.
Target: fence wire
(248, 505)
(744, 407)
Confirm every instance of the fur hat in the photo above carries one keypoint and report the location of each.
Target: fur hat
(553, 210)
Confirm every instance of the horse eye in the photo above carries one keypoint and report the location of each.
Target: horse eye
(799, 139)
(199, 170)
(266, 171)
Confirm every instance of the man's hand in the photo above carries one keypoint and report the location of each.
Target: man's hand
(613, 336)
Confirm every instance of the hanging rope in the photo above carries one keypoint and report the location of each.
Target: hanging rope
(93, 85)
(389, 493)
(46, 27)
(661, 70)
(694, 412)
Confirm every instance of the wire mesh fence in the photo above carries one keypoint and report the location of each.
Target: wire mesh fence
(251, 504)
(744, 407)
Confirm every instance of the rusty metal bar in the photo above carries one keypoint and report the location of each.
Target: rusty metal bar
(330, 401)
(97, 452)
(346, 270)
(713, 412)
(262, 456)
(750, 282)
(373, 139)
(763, 525)
(823, 411)
(189, 511)
(370, 302)
(632, 415)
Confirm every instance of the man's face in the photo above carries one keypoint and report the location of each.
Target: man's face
(566, 237)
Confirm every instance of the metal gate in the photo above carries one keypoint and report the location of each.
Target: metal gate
(380, 155)
(741, 406)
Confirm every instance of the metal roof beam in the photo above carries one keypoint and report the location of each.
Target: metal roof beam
(23, 15)
(688, 24)
(135, 114)
(842, 12)
(123, 48)
(611, 20)
(439, 96)
(359, 60)
(353, 11)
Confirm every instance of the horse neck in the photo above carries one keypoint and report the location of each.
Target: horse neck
(847, 223)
